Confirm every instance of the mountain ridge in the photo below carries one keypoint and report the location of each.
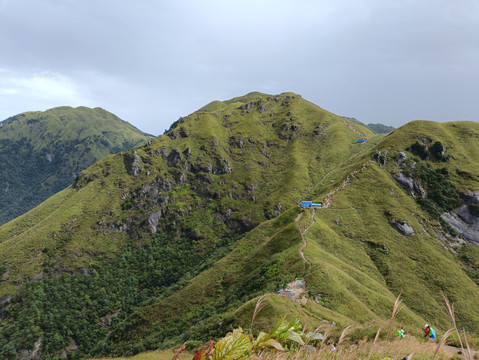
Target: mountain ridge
(174, 241)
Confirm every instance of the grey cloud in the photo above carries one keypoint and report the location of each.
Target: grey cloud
(152, 61)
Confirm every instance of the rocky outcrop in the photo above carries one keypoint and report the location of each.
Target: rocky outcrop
(222, 167)
(381, 157)
(174, 158)
(465, 223)
(132, 163)
(178, 133)
(401, 157)
(153, 220)
(402, 227)
(471, 197)
(272, 213)
(407, 183)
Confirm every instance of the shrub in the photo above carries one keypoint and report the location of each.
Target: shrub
(419, 150)
(473, 209)
(437, 151)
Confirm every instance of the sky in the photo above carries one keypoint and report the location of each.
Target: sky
(152, 61)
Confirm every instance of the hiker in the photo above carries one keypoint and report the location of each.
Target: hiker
(429, 331)
(400, 334)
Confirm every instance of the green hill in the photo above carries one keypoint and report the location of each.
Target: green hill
(377, 128)
(43, 152)
(174, 241)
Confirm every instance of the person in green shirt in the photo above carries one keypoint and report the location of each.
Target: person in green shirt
(429, 331)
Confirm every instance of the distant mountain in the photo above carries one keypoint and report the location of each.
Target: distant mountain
(380, 128)
(174, 241)
(43, 152)
(375, 128)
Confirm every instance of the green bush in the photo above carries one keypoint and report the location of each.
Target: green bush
(419, 150)
(437, 150)
(473, 209)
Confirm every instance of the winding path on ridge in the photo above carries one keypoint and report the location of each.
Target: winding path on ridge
(303, 232)
(326, 203)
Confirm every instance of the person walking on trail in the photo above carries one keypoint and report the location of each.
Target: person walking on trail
(400, 334)
(429, 331)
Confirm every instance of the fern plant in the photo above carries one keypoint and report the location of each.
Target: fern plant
(239, 345)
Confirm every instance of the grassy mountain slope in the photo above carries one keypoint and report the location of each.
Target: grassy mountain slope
(175, 240)
(43, 152)
(360, 262)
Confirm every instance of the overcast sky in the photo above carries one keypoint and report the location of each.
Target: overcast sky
(150, 62)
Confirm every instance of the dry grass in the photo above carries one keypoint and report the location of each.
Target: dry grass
(345, 333)
(450, 310)
(396, 309)
(442, 341)
(260, 304)
(408, 347)
(374, 342)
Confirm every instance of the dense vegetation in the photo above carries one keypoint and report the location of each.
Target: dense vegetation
(86, 308)
(42, 152)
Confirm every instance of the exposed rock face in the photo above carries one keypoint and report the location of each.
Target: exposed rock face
(471, 197)
(466, 224)
(174, 158)
(401, 157)
(407, 183)
(419, 190)
(132, 163)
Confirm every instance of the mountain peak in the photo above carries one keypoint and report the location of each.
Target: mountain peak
(43, 152)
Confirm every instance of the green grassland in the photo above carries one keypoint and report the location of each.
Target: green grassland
(43, 152)
(176, 240)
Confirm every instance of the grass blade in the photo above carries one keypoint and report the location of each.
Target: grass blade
(442, 341)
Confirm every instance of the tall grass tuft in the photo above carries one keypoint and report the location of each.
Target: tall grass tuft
(467, 344)
(450, 311)
(345, 333)
(374, 342)
(396, 309)
(260, 304)
(325, 337)
(442, 341)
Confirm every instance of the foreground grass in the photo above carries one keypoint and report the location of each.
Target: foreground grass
(397, 349)
(154, 355)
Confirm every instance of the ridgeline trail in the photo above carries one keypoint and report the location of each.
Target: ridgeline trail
(326, 203)
(303, 232)
(328, 197)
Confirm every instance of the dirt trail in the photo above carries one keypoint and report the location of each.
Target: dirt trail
(351, 127)
(328, 197)
(302, 232)
(326, 203)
